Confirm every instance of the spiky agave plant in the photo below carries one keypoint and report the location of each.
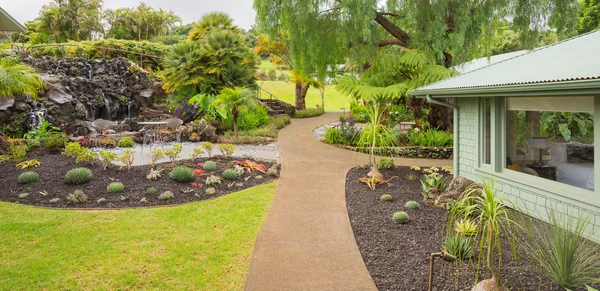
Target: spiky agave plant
(18, 79)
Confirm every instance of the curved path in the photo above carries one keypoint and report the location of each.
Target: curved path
(306, 241)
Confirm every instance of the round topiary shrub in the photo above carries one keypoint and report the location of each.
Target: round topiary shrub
(386, 198)
(210, 166)
(230, 174)
(126, 142)
(78, 176)
(151, 191)
(28, 177)
(182, 174)
(412, 205)
(115, 187)
(400, 217)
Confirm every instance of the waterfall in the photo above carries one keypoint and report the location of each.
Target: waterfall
(89, 70)
(106, 105)
(90, 113)
(58, 66)
(129, 109)
(37, 114)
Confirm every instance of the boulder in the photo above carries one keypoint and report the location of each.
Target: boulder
(199, 131)
(457, 186)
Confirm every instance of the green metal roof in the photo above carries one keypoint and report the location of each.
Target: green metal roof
(570, 67)
(8, 23)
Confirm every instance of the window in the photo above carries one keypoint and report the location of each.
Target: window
(487, 131)
(552, 137)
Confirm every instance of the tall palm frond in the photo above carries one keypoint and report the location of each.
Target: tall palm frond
(18, 79)
(213, 21)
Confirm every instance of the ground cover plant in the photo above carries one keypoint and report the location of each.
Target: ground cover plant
(197, 246)
(397, 255)
(58, 176)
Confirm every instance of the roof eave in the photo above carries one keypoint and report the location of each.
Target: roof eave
(565, 88)
(18, 25)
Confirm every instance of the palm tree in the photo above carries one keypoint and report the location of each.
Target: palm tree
(235, 100)
(18, 79)
(213, 21)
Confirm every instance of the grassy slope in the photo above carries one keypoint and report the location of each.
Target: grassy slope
(286, 91)
(198, 246)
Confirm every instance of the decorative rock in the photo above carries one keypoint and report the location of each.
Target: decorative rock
(101, 200)
(259, 177)
(23, 195)
(457, 186)
(55, 200)
(210, 191)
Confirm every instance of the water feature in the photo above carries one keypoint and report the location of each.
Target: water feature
(89, 66)
(106, 105)
(90, 112)
(58, 66)
(129, 109)
(36, 114)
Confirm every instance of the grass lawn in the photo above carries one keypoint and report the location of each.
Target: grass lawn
(286, 91)
(198, 246)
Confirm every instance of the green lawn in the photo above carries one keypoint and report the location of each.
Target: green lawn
(286, 91)
(198, 246)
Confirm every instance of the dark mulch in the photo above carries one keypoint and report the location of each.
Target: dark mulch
(52, 180)
(397, 256)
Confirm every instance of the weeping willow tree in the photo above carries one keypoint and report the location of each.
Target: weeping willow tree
(326, 32)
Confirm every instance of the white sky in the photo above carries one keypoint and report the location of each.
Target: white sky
(189, 10)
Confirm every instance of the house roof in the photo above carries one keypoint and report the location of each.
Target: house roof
(482, 62)
(571, 66)
(8, 23)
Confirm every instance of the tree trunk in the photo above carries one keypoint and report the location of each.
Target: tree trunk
(300, 104)
(234, 112)
(323, 97)
(393, 29)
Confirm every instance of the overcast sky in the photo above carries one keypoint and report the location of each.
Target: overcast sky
(189, 10)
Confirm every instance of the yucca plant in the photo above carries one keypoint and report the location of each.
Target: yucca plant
(18, 79)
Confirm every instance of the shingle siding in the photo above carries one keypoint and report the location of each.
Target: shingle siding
(534, 202)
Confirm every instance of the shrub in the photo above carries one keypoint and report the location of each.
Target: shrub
(210, 166)
(33, 143)
(153, 175)
(198, 152)
(412, 205)
(77, 197)
(17, 150)
(251, 119)
(230, 174)
(108, 142)
(28, 177)
(386, 198)
(433, 183)
(73, 149)
(173, 153)
(126, 142)
(210, 191)
(167, 195)
(465, 227)
(333, 135)
(430, 138)
(310, 112)
(271, 75)
(280, 121)
(182, 174)
(115, 187)
(4, 158)
(227, 149)
(127, 158)
(78, 176)
(400, 217)
(156, 155)
(208, 146)
(386, 163)
(151, 191)
(87, 156)
(272, 171)
(107, 158)
(458, 246)
(53, 142)
(212, 180)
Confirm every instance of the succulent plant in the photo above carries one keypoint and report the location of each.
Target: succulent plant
(77, 176)
(23, 195)
(465, 226)
(153, 175)
(230, 174)
(239, 170)
(101, 200)
(400, 217)
(28, 177)
(210, 191)
(458, 246)
(259, 177)
(77, 197)
(151, 191)
(144, 200)
(227, 149)
(412, 205)
(126, 142)
(209, 166)
(167, 195)
(213, 180)
(386, 198)
(54, 200)
(273, 171)
(115, 187)
(182, 174)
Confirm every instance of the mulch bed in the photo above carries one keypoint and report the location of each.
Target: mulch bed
(52, 181)
(397, 256)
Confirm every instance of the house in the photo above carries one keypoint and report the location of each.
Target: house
(528, 123)
(8, 23)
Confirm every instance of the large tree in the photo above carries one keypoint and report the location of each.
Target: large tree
(64, 20)
(589, 16)
(139, 23)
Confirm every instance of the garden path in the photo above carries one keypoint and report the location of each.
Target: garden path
(306, 241)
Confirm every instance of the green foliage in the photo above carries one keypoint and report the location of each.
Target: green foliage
(345, 133)
(208, 146)
(156, 155)
(212, 180)
(359, 111)
(234, 101)
(386, 198)
(173, 153)
(411, 177)
(386, 163)
(251, 119)
(77, 197)
(115, 187)
(151, 191)
(127, 158)
(280, 121)
(126, 142)
(54, 142)
(44, 130)
(400, 217)
(458, 246)
(430, 138)
(209, 166)
(212, 22)
(230, 174)
(182, 174)
(273, 171)
(589, 16)
(69, 20)
(77, 176)
(308, 113)
(465, 227)
(141, 22)
(153, 175)
(17, 150)
(108, 142)
(73, 149)
(4, 158)
(28, 177)
(568, 125)
(227, 149)
(433, 183)
(561, 252)
(87, 156)
(107, 157)
(18, 79)
(210, 191)
(167, 195)
(197, 153)
(412, 205)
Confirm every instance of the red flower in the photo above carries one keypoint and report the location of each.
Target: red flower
(198, 172)
(196, 184)
(200, 164)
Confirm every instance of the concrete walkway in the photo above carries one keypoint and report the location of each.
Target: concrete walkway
(306, 242)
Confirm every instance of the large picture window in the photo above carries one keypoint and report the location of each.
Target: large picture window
(552, 137)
